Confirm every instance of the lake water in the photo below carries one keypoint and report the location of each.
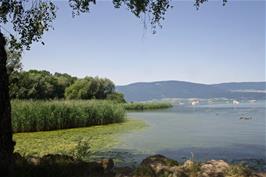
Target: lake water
(204, 131)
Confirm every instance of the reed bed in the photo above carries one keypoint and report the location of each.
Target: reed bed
(30, 116)
(146, 106)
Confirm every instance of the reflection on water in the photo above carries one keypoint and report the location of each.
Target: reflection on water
(209, 131)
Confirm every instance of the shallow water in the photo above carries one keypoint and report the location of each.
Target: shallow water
(205, 131)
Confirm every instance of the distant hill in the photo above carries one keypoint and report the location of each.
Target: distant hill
(144, 91)
(242, 86)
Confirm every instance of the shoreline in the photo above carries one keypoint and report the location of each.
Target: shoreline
(152, 166)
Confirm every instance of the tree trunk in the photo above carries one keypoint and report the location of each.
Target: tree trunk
(6, 142)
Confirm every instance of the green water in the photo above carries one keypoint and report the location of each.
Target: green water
(208, 131)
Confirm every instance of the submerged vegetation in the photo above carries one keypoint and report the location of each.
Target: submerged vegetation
(147, 106)
(70, 141)
(29, 116)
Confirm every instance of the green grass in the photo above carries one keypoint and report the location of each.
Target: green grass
(146, 106)
(29, 116)
(99, 138)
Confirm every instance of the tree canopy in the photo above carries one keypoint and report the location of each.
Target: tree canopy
(34, 84)
(90, 88)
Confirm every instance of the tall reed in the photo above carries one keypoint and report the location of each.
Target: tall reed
(140, 106)
(28, 116)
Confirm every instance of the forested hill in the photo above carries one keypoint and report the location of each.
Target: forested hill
(242, 86)
(144, 91)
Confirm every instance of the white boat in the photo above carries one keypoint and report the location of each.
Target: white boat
(195, 102)
(235, 102)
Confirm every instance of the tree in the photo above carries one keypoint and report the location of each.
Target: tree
(90, 88)
(13, 62)
(35, 84)
(82, 89)
(104, 87)
(30, 19)
(116, 97)
(63, 82)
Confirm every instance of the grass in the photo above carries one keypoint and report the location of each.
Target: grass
(146, 106)
(29, 116)
(99, 138)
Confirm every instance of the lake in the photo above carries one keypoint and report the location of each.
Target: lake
(202, 132)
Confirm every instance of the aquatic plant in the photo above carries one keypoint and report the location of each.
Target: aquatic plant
(29, 116)
(140, 106)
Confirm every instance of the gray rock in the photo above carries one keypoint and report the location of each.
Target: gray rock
(214, 168)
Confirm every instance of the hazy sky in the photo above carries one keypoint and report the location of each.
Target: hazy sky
(212, 45)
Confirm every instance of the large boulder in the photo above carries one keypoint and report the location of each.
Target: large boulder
(52, 159)
(214, 168)
(107, 164)
(159, 166)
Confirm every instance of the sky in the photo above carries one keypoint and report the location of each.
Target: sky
(214, 44)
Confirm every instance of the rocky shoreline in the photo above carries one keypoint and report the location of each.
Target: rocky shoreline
(153, 166)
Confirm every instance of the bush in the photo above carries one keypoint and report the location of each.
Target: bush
(28, 116)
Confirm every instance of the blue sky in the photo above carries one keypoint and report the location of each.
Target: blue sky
(211, 45)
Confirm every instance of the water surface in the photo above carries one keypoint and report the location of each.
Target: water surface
(204, 131)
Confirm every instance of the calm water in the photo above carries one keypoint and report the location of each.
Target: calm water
(209, 131)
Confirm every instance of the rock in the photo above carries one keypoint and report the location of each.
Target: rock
(34, 161)
(214, 168)
(107, 164)
(123, 171)
(157, 166)
(188, 164)
(260, 174)
(157, 163)
(158, 160)
(254, 164)
(18, 158)
(57, 159)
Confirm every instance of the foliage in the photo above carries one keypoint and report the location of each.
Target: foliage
(52, 115)
(116, 97)
(63, 81)
(146, 106)
(13, 62)
(82, 150)
(38, 85)
(90, 88)
(29, 19)
(100, 138)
